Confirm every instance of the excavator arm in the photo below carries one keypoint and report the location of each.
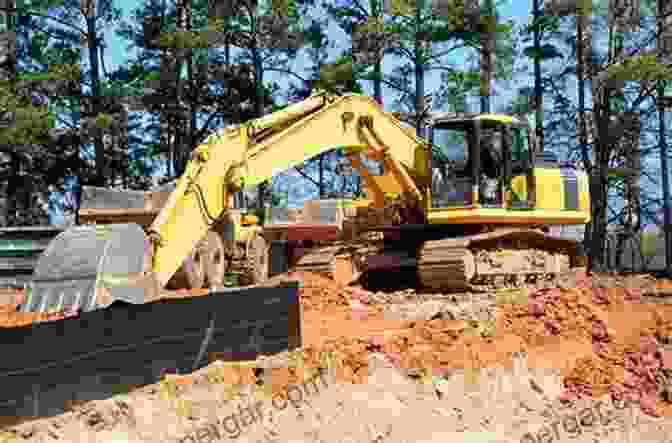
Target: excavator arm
(252, 153)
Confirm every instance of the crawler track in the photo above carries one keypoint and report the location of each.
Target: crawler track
(504, 258)
(323, 259)
(495, 260)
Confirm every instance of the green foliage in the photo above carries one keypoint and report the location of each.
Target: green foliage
(643, 68)
(104, 121)
(545, 52)
(183, 40)
(31, 123)
(547, 24)
(338, 77)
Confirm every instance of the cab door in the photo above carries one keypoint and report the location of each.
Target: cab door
(520, 169)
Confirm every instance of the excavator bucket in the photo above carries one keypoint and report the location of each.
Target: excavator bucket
(90, 267)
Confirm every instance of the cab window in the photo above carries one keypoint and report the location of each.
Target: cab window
(449, 146)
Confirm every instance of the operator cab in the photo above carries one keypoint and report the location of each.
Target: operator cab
(475, 156)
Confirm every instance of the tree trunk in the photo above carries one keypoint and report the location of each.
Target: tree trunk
(377, 82)
(597, 227)
(585, 31)
(598, 190)
(321, 176)
(259, 83)
(191, 141)
(488, 44)
(419, 81)
(180, 135)
(377, 67)
(92, 42)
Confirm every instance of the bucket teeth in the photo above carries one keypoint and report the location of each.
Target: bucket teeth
(90, 267)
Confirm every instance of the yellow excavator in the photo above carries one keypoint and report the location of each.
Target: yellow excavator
(465, 209)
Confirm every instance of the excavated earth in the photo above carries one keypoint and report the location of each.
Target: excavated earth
(588, 359)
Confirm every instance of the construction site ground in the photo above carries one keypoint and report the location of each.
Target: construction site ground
(585, 360)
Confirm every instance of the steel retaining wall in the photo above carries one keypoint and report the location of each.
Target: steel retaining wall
(45, 365)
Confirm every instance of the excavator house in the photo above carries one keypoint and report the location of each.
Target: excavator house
(464, 210)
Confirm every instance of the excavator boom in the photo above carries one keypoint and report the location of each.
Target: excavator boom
(247, 155)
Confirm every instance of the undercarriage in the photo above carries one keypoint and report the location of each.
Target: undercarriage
(501, 258)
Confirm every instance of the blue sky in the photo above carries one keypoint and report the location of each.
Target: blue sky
(519, 11)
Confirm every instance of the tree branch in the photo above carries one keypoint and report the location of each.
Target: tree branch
(440, 68)
(405, 52)
(101, 53)
(361, 8)
(306, 176)
(57, 20)
(441, 54)
(205, 127)
(286, 71)
(392, 85)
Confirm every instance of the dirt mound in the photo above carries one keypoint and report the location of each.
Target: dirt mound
(9, 318)
(664, 284)
(595, 329)
(605, 312)
(320, 293)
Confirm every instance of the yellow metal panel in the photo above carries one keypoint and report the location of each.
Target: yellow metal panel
(289, 113)
(246, 233)
(421, 163)
(501, 118)
(584, 191)
(519, 188)
(361, 203)
(549, 188)
(506, 217)
(249, 220)
(387, 184)
(184, 223)
(331, 127)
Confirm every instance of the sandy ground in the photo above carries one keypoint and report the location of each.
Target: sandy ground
(586, 361)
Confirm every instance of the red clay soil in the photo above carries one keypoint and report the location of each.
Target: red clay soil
(594, 330)
(664, 284)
